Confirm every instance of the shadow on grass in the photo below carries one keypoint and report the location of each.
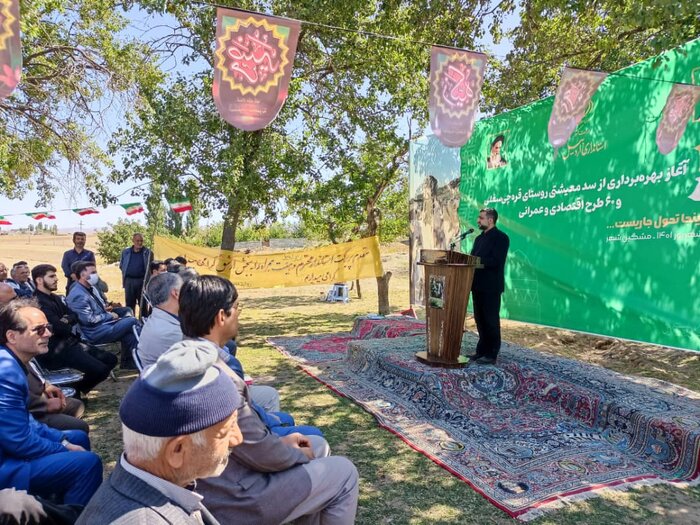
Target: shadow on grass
(398, 485)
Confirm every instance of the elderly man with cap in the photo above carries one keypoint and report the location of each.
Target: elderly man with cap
(179, 422)
(270, 479)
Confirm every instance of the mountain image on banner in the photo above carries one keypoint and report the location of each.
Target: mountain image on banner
(38, 215)
(180, 206)
(253, 65)
(10, 47)
(85, 211)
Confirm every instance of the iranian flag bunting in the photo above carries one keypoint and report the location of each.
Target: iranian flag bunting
(132, 208)
(38, 215)
(85, 211)
(180, 206)
(4, 222)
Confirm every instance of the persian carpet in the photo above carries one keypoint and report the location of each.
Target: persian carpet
(529, 434)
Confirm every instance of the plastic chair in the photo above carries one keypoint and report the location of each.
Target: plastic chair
(61, 377)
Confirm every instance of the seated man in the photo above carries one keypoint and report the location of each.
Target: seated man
(65, 347)
(264, 399)
(100, 292)
(20, 279)
(192, 436)
(97, 325)
(269, 479)
(154, 268)
(50, 406)
(33, 457)
(7, 293)
(162, 330)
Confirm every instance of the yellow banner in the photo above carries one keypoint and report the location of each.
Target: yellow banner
(324, 265)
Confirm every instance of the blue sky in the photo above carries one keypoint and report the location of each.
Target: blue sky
(140, 25)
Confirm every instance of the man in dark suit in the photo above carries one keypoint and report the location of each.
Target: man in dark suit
(65, 347)
(492, 247)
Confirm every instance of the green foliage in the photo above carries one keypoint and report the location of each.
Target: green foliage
(116, 237)
(340, 136)
(211, 235)
(76, 63)
(604, 35)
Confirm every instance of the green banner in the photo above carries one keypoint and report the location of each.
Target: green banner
(604, 237)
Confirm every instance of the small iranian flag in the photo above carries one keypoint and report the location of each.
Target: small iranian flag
(4, 222)
(132, 208)
(37, 216)
(180, 206)
(85, 211)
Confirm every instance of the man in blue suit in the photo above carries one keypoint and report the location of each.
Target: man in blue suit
(97, 325)
(33, 457)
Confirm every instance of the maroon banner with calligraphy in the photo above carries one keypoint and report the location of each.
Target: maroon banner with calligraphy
(575, 91)
(680, 105)
(10, 47)
(253, 65)
(456, 78)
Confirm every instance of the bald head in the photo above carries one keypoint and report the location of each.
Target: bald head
(7, 293)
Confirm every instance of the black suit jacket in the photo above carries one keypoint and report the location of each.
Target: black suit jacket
(492, 246)
(62, 319)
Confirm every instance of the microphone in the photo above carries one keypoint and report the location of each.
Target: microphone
(464, 235)
(461, 237)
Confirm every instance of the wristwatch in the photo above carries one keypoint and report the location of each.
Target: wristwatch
(65, 442)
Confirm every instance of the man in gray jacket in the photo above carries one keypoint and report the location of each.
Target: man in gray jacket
(162, 330)
(269, 479)
(191, 437)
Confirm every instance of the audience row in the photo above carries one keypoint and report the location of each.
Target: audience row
(191, 419)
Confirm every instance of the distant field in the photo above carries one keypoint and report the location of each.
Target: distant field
(38, 249)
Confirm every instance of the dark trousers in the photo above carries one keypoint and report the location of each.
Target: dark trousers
(133, 286)
(488, 323)
(68, 419)
(72, 476)
(96, 364)
(120, 330)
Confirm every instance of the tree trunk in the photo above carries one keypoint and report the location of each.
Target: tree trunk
(228, 239)
(383, 293)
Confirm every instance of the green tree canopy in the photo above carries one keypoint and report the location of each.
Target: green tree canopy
(77, 61)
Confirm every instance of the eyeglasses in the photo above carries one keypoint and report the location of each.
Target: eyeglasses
(41, 329)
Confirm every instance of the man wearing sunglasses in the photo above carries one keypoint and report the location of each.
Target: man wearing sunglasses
(33, 457)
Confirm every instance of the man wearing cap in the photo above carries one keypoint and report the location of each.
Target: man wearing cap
(191, 437)
(270, 479)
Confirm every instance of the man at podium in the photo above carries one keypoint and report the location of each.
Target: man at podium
(492, 247)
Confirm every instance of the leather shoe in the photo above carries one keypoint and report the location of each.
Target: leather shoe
(473, 357)
(485, 361)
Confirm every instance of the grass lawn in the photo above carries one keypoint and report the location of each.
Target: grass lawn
(398, 485)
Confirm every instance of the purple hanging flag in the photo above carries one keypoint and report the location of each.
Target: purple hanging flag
(456, 78)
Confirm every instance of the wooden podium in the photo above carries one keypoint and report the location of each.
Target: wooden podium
(448, 281)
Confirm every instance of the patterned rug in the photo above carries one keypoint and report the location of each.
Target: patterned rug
(529, 434)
